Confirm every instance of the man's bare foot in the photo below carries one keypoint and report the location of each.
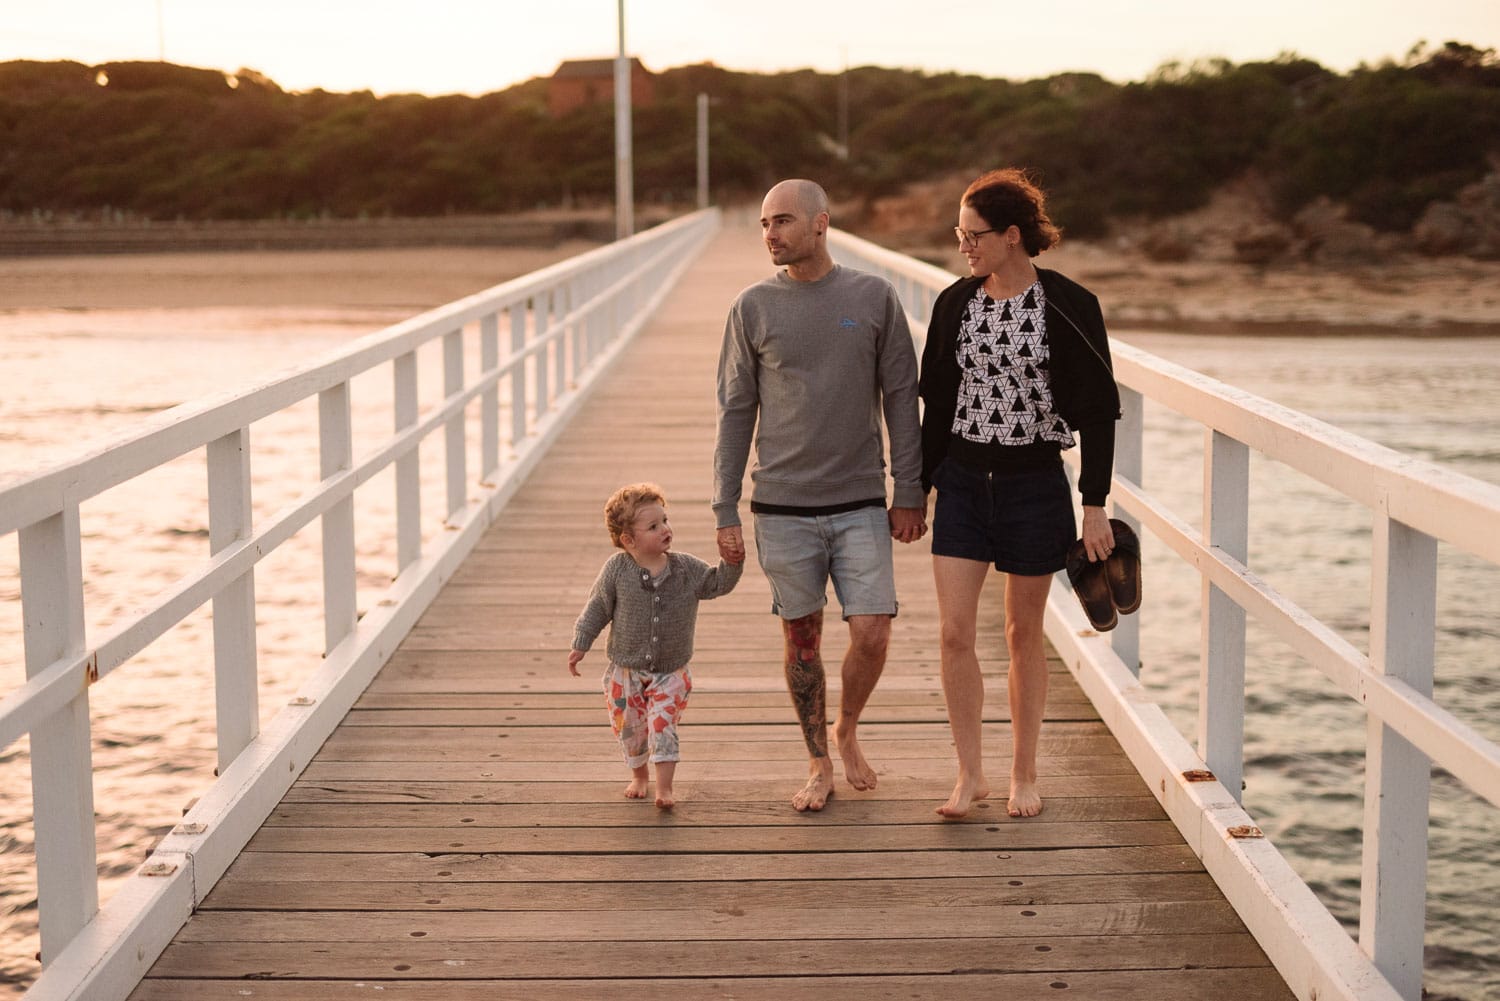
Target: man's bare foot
(664, 798)
(817, 792)
(640, 780)
(965, 792)
(1025, 799)
(857, 770)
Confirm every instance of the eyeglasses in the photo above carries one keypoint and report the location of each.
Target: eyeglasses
(970, 236)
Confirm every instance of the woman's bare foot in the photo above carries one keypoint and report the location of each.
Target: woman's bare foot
(1025, 799)
(965, 792)
(817, 792)
(857, 770)
(640, 780)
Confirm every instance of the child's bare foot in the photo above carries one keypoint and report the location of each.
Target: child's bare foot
(817, 792)
(857, 770)
(965, 792)
(665, 770)
(1025, 799)
(640, 780)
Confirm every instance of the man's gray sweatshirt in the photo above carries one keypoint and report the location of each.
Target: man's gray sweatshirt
(817, 363)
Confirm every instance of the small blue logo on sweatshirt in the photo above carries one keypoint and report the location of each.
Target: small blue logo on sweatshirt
(848, 324)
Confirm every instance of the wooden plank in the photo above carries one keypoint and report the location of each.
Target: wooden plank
(619, 812)
(789, 766)
(817, 833)
(415, 744)
(606, 895)
(709, 924)
(426, 959)
(1255, 984)
(768, 865)
(1060, 789)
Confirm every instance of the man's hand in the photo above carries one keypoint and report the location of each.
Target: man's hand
(908, 524)
(731, 540)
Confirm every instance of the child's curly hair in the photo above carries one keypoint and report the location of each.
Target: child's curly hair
(625, 503)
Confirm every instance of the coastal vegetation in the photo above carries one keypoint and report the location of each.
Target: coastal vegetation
(161, 141)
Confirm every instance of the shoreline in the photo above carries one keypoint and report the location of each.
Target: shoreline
(1411, 297)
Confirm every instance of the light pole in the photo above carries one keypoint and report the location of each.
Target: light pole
(624, 189)
(703, 151)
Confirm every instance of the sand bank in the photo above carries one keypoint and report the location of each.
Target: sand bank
(417, 278)
(1412, 296)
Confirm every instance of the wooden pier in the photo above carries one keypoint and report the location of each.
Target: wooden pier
(463, 834)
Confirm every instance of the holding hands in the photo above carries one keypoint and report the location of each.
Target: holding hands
(908, 524)
(731, 540)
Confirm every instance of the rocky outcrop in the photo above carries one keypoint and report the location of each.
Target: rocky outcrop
(1470, 225)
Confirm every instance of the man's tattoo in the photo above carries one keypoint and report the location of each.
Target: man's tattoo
(806, 680)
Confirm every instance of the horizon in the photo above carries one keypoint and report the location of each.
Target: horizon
(468, 47)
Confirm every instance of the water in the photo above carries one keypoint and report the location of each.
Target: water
(75, 375)
(1304, 740)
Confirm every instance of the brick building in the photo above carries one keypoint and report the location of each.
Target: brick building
(577, 82)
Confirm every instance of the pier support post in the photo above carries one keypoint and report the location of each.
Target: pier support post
(1393, 879)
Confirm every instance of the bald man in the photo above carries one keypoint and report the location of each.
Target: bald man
(813, 359)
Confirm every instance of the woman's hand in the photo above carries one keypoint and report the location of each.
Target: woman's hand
(1098, 537)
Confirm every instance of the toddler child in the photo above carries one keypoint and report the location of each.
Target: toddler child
(650, 596)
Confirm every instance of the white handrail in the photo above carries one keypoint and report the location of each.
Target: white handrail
(1415, 504)
(567, 322)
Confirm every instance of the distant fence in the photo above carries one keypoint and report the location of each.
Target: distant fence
(543, 340)
(1415, 505)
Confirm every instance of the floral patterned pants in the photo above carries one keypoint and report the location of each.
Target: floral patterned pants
(644, 709)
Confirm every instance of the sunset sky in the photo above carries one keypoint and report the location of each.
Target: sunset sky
(477, 46)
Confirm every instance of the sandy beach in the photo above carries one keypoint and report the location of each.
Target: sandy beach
(1412, 295)
(417, 278)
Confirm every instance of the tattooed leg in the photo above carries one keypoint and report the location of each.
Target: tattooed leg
(808, 685)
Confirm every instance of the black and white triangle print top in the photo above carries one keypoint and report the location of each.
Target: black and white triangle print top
(1003, 395)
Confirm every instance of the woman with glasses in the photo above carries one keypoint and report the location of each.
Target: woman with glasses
(1016, 361)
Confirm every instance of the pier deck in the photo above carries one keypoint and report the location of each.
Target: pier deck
(463, 834)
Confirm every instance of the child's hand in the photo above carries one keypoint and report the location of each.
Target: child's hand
(574, 656)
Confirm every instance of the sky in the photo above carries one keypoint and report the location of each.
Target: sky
(479, 46)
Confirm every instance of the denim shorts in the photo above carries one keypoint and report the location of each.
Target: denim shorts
(801, 553)
(1019, 520)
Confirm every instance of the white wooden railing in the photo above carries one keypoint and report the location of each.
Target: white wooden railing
(1415, 504)
(543, 341)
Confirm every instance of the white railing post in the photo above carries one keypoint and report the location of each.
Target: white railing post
(541, 324)
(489, 408)
(408, 466)
(336, 455)
(517, 374)
(1129, 452)
(557, 308)
(1221, 692)
(453, 384)
(62, 773)
(576, 330)
(236, 682)
(1393, 880)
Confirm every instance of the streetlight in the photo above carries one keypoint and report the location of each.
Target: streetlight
(624, 193)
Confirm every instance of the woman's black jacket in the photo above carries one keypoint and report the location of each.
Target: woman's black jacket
(1079, 375)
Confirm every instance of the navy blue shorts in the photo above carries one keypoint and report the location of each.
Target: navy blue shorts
(1021, 521)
